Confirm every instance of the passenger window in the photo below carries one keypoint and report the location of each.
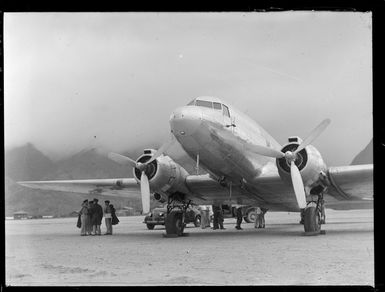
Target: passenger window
(204, 103)
(217, 106)
(226, 111)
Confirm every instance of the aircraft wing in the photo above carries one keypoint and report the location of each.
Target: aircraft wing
(118, 187)
(351, 188)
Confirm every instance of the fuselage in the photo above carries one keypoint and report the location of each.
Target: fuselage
(215, 132)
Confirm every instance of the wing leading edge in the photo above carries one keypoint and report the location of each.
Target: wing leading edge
(120, 187)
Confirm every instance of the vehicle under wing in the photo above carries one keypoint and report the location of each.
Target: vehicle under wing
(117, 187)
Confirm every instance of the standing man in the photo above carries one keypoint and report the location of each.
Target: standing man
(220, 217)
(83, 217)
(108, 217)
(258, 214)
(239, 218)
(98, 214)
(215, 220)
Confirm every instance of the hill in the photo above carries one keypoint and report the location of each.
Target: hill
(365, 156)
(28, 163)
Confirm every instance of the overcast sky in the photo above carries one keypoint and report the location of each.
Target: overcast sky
(111, 80)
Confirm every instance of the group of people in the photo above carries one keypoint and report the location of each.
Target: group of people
(91, 215)
(218, 217)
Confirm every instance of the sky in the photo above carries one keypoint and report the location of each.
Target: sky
(111, 80)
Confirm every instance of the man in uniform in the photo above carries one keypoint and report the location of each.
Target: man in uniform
(98, 216)
(220, 217)
(215, 219)
(239, 218)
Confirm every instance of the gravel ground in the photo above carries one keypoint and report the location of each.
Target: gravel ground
(47, 252)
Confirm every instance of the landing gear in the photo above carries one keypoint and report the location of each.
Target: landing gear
(175, 223)
(175, 220)
(313, 216)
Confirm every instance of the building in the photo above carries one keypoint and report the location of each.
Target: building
(20, 215)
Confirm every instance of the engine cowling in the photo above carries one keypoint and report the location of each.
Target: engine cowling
(310, 164)
(164, 174)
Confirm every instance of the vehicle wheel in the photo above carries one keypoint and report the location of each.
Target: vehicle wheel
(197, 222)
(250, 216)
(311, 219)
(150, 226)
(174, 223)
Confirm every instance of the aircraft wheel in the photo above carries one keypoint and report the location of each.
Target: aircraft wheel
(197, 221)
(250, 216)
(312, 221)
(174, 223)
(150, 226)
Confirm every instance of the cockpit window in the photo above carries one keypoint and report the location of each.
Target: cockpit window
(204, 103)
(217, 105)
(226, 111)
(192, 102)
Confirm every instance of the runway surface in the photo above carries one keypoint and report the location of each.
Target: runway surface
(51, 252)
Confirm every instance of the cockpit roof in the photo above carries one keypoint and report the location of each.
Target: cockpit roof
(207, 98)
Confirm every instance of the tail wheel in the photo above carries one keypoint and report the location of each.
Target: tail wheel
(312, 221)
(197, 221)
(174, 223)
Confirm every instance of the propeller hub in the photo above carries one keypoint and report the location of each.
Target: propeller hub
(290, 156)
(141, 166)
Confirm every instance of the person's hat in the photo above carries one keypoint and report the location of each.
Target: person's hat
(96, 200)
(107, 201)
(85, 201)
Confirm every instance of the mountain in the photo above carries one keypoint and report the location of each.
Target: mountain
(87, 164)
(365, 156)
(27, 163)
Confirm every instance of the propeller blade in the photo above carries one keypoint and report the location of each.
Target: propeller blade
(314, 134)
(121, 159)
(298, 185)
(265, 151)
(145, 192)
(161, 150)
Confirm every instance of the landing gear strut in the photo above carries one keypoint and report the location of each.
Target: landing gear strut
(175, 218)
(313, 216)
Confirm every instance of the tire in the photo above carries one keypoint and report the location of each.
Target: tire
(250, 216)
(150, 226)
(174, 223)
(197, 221)
(311, 219)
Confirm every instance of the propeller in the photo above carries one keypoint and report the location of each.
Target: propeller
(145, 191)
(144, 183)
(162, 149)
(291, 158)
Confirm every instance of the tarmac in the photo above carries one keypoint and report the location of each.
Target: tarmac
(51, 252)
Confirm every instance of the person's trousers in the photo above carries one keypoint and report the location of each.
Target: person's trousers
(96, 229)
(108, 225)
(83, 230)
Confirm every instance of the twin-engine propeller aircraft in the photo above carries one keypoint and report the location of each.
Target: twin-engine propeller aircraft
(243, 164)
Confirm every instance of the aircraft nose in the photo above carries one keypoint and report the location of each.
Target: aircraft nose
(184, 121)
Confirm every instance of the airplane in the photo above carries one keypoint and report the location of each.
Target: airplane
(243, 163)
